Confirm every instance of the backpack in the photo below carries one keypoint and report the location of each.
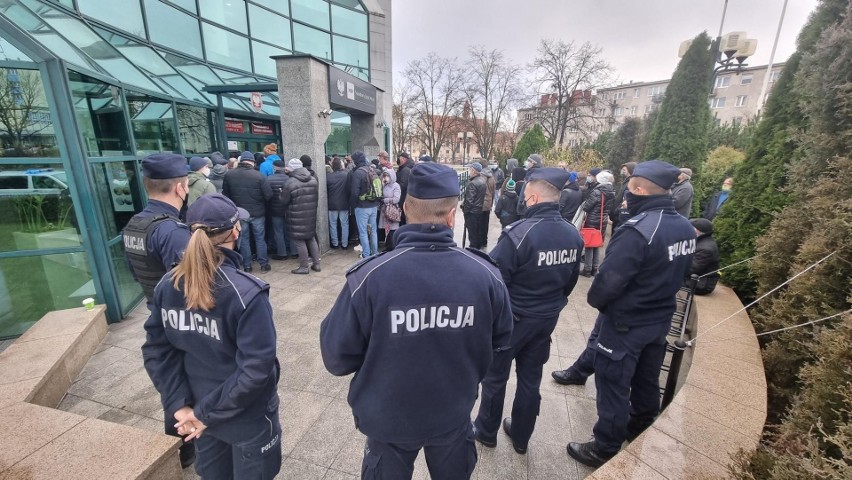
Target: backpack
(374, 186)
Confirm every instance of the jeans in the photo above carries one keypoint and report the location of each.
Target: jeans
(365, 217)
(258, 226)
(333, 217)
(593, 256)
(282, 243)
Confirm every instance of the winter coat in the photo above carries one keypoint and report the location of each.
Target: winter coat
(337, 184)
(198, 186)
(507, 208)
(474, 195)
(402, 179)
(276, 206)
(704, 261)
(248, 189)
(603, 192)
(217, 175)
(490, 188)
(300, 195)
(499, 178)
(390, 196)
(712, 207)
(682, 194)
(570, 200)
(359, 184)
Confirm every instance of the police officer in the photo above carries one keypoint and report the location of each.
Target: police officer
(418, 353)
(210, 350)
(538, 259)
(647, 259)
(155, 239)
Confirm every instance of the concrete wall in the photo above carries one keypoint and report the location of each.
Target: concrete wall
(303, 93)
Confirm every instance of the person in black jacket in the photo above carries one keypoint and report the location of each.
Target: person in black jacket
(210, 350)
(366, 210)
(571, 198)
(597, 207)
(248, 189)
(418, 353)
(474, 198)
(705, 262)
(301, 195)
(507, 206)
(337, 184)
(278, 210)
(403, 159)
(715, 202)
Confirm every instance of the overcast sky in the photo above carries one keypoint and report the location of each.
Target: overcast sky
(640, 38)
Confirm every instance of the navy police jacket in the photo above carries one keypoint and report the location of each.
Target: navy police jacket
(220, 362)
(538, 258)
(646, 261)
(418, 326)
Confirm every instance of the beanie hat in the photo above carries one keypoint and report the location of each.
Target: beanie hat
(572, 177)
(247, 157)
(595, 171)
(535, 159)
(476, 166)
(294, 164)
(702, 225)
(510, 185)
(306, 160)
(270, 149)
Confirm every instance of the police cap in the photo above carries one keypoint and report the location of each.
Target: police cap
(425, 158)
(554, 176)
(433, 180)
(162, 166)
(661, 173)
(216, 212)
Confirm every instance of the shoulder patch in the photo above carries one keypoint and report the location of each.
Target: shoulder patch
(646, 223)
(261, 284)
(362, 262)
(519, 230)
(482, 254)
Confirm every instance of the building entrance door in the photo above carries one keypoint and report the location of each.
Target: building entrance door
(251, 135)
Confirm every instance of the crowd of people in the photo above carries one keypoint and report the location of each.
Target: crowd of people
(421, 353)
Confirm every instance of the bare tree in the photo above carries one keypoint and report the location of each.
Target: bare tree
(493, 89)
(436, 99)
(568, 73)
(23, 108)
(404, 116)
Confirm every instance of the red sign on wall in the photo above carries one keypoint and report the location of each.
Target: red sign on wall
(234, 126)
(262, 129)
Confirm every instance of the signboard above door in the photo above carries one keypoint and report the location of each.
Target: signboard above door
(350, 92)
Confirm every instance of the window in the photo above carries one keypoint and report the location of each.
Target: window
(718, 102)
(269, 27)
(736, 121)
(123, 14)
(263, 65)
(648, 109)
(313, 12)
(618, 96)
(528, 116)
(186, 4)
(225, 12)
(351, 52)
(619, 111)
(637, 92)
(347, 22)
(100, 115)
(776, 74)
(173, 28)
(746, 79)
(194, 127)
(723, 82)
(26, 127)
(741, 100)
(226, 48)
(633, 110)
(655, 90)
(153, 123)
(312, 41)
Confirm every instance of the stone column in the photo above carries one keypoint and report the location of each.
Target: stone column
(303, 93)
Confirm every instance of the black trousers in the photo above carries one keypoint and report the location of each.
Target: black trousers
(472, 224)
(483, 228)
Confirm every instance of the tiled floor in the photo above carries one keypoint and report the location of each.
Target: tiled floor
(319, 439)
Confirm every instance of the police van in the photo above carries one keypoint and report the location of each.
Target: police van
(35, 181)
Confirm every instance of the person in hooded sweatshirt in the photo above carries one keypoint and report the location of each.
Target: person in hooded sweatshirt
(507, 205)
(267, 168)
(301, 195)
(217, 175)
(199, 169)
(571, 198)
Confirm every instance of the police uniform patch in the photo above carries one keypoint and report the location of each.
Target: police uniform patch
(362, 262)
(482, 254)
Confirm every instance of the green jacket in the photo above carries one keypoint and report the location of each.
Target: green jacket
(198, 186)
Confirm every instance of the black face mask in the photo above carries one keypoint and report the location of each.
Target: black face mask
(633, 202)
(184, 207)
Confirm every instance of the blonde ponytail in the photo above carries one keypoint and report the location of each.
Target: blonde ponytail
(198, 269)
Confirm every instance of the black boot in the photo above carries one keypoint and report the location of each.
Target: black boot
(588, 454)
(568, 377)
(187, 454)
(587, 272)
(507, 427)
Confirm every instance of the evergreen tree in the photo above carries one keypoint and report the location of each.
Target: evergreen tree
(680, 133)
(533, 141)
(622, 147)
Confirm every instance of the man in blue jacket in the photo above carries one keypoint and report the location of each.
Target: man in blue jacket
(418, 353)
(646, 262)
(538, 260)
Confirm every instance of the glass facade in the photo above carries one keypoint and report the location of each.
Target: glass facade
(89, 87)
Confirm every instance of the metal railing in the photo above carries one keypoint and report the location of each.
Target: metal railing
(678, 360)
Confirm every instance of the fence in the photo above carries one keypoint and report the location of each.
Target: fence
(677, 361)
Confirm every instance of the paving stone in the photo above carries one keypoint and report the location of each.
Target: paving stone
(294, 469)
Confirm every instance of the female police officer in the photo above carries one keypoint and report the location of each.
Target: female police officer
(210, 350)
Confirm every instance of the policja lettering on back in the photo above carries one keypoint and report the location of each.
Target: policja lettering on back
(187, 320)
(424, 318)
(557, 257)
